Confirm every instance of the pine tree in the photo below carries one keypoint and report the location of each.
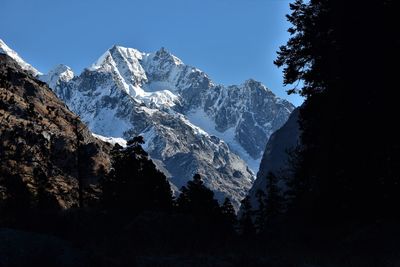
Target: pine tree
(197, 199)
(246, 226)
(326, 56)
(261, 216)
(274, 200)
(228, 215)
(134, 184)
(197, 205)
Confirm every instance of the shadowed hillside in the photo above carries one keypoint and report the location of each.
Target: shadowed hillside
(44, 147)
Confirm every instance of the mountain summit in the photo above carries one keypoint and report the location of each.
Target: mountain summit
(190, 124)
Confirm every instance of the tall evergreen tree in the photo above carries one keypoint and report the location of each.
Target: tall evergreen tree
(246, 226)
(134, 183)
(332, 47)
(274, 200)
(196, 198)
(228, 216)
(261, 216)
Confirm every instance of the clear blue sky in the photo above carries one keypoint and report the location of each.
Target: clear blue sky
(231, 40)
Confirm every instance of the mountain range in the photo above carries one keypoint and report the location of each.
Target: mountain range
(190, 124)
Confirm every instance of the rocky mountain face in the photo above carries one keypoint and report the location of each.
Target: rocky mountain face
(190, 124)
(43, 144)
(276, 155)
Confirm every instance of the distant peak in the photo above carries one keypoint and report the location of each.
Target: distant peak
(115, 47)
(123, 50)
(61, 68)
(162, 50)
(60, 73)
(5, 49)
(164, 54)
(251, 82)
(113, 56)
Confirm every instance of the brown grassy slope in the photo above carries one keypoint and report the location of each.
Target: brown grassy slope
(43, 143)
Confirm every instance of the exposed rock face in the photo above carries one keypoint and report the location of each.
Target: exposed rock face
(275, 158)
(251, 109)
(190, 124)
(43, 142)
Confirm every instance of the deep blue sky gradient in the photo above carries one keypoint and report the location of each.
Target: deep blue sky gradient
(230, 40)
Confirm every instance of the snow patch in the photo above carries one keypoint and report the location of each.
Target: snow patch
(160, 99)
(111, 140)
(200, 118)
(100, 125)
(148, 137)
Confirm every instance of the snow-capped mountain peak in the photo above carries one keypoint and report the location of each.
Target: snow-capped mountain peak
(60, 73)
(124, 65)
(4, 49)
(190, 124)
(164, 55)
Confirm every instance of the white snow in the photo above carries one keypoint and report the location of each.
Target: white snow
(111, 140)
(100, 125)
(99, 62)
(160, 99)
(200, 118)
(57, 74)
(4, 49)
(148, 137)
(154, 86)
(126, 66)
(197, 130)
